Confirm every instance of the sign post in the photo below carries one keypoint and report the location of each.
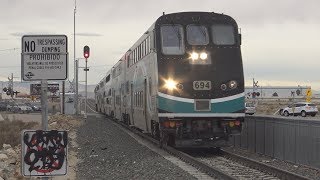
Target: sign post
(43, 58)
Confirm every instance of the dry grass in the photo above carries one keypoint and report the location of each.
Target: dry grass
(10, 131)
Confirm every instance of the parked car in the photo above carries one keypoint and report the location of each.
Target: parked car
(300, 108)
(3, 106)
(250, 108)
(21, 108)
(34, 106)
(10, 106)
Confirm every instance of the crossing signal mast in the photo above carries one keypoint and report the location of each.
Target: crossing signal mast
(254, 88)
(9, 90)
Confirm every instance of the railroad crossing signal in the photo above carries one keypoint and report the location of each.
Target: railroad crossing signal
(86, 52)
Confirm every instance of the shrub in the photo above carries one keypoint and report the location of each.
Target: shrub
(10, 131)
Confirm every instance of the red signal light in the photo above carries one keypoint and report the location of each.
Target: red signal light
(86, 52)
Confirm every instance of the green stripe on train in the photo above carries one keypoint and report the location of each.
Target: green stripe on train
(184, 107)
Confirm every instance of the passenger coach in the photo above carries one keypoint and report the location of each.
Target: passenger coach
(182, 81)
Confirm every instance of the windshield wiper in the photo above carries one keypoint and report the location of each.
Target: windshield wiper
(177, 32)
(203, 32)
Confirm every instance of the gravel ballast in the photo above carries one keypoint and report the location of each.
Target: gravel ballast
(106, 152)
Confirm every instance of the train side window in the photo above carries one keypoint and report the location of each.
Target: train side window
(223, 34)
(127, 87)
(142, 50)
(139, 51)
(147, 45)
(128, 61)
(108, 78)
(142, 98)
(150, 86)
(139, 98)
(172, 39)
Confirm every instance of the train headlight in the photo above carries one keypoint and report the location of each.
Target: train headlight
(170, 84)
(233, 84)
(203, 56)
(194, 56)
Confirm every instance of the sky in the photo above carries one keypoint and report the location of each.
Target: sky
(279, 38)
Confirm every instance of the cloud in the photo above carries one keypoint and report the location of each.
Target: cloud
(20, 34)
(89, 34)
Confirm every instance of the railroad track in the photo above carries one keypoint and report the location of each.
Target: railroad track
(242, 167)
(282, 174)
(222, 165)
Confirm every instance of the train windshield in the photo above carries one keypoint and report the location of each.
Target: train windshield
(197, 35)
(172, 39)
(223, 34)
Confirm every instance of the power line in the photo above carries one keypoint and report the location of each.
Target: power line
(10, 66)
(11, 49)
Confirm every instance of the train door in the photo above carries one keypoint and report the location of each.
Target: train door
(131, 103)
(145, 105)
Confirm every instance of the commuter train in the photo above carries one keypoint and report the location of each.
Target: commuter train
(182, 81)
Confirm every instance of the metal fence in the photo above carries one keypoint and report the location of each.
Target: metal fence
(295, 140)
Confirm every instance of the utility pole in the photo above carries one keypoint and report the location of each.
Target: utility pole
(63, 97)
(76, 87)
(75, 61)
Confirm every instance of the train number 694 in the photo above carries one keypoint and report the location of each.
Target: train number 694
(201, 85)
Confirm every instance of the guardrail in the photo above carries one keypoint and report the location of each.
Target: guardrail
(292, 139)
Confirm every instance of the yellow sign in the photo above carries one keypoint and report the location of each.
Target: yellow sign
(309, 94)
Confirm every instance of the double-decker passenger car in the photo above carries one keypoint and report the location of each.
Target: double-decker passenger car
(182, 81)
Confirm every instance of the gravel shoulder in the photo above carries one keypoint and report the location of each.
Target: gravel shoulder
(110, 153)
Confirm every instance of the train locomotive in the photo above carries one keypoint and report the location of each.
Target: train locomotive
(182, 81)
